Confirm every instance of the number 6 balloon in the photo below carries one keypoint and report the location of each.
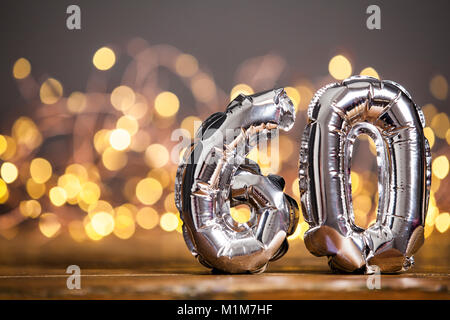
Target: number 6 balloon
(214, 175)
(337, 115)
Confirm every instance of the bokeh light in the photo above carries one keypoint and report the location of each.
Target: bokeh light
(113, 159)
(102, 223)
(49, 224)
(35, 190)
(429, 134)
(240, 88)
(40, 170)
(439, 87)
(26, 133)
(147, 218)
(104, 58)
(369, 71)
(186, 65)
(123, 98)
(440, 167)
(120, 139)
(166, 104)
(9, 172)
(339, 67)
(129, 124)
(168, 221)
(191, 124)
(51, 91)
(203, 88)
(90, 192)
(148, 191)
(22, 68)
(442, 222)
(124, 227)
(57, 196)
(76, 102)
(71, 185)
(294, 95)
(156, 155)
(3, 188)
(440, 124)
(30, 208)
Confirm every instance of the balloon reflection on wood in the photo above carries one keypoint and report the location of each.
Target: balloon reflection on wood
(337, 115)
(215, 176)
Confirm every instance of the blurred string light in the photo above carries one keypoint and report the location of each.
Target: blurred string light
(120, 139)
(9, 172)
(191, 124)
(30, 208)
(76, 102)
(129, 124)
(51, 91)
(440, 124)
(40, 170)
(169, 221)
(439, 87)
(369, 71)
(240, 88)
(429, 134)
(10, 148)
(104, 58)
(167, 104)
(203, 87)
(186, 65)
(26, 133)
(35, 190)
(90, 193)
(156, 155)
(147, 218)
(149, 190)
(113, 159)
(442, 222)
(49, 224)
(294, 95)
(3, 144)
(57, 196)
(340, 67)
(123, 98)
(22, 68)
(132, 125)
(124, 227)
(3, 188)
(306, 93)
(103, 223)
(440, 167)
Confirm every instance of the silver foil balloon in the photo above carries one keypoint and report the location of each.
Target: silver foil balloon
(215, 175)
(338, 113)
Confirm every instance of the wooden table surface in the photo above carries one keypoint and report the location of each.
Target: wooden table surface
(35, 269)
(183, 283)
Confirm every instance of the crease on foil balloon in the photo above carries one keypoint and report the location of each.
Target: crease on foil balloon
(337, 115)
(215, 175)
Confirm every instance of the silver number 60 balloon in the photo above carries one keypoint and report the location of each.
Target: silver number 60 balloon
(215, 175)
(338, 113)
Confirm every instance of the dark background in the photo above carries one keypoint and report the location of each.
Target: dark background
(410, 48)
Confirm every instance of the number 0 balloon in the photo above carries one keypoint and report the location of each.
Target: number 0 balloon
(337, 115)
